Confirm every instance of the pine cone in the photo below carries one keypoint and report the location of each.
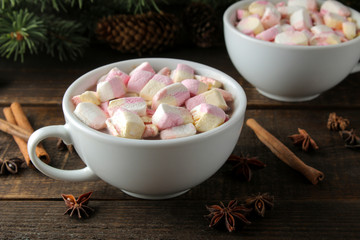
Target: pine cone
(141, 33)
(201, 21)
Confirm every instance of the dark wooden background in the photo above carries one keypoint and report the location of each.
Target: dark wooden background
(31, 206)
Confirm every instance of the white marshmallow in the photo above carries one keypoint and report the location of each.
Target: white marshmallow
(270, 18)
(320, 29)
(156, 83)
(207, 117)
(349, 30)
(134, 104)
(270, 33)
(335, 7)
(324, 39)
(91, 115)
(145, 66)
(111, 87)
(301, 20)
(167, 116)
(310, 5)
(292, 38)
(151, 130)
(126, 124)
(88, 96)
(182, 72)
(178, 131)
(258, 7)
(211, 82)
(333, 20)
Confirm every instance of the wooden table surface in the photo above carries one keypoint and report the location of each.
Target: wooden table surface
(31, 206)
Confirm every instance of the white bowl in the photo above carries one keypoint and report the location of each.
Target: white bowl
(284, 72)
(150, 169)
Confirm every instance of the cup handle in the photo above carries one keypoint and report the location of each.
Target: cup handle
(59, 131)
(356, 68)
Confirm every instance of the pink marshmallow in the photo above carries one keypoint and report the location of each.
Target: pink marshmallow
(104, 106)
(150, 131)
(270, 33)
(175, 94)
(182, 72)
(207, 117)
(156, 83)
(194, 86)
(228, 97)
(91, 115)
(116, 72)
(112, 86)
(138, 80)
(178, 131)
(145, 66)
(212, 96)
(167, 116)
(271, 17)
(242, 13)
(164, 71)
(134, 104)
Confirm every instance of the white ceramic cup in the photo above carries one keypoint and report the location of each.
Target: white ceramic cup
(284, 72)
(150, 169)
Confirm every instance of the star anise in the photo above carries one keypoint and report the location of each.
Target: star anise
(228, 214)
(11, 165)
(260, 202)
(80, 205)
(350, 138)
(304, 139)
(336, 123)
(244, 165)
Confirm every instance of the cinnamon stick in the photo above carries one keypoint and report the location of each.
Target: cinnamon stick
(285, 154)
(16, 115)
(14, 130)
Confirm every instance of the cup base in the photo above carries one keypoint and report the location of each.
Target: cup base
(287, 99)
(154, 197)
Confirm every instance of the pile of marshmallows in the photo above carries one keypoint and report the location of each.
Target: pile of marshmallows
(145, 104)
(298, 22)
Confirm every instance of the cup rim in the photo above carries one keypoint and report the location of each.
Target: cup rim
(237, 114)
(230, 26)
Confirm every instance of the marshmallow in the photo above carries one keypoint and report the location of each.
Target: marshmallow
(292, 38)
(320, 29)
(194, 86)
(151, 130)
(156, 83)
(228, 97)
(286, 27)
(145, 66)
(207, 117)
(307, 33)
(349, 30)
(258, 7)
(91, 115)
(126, 124)
(134, 104)
(335, 7)
(310, 5)
(112, 86)
(316, 18)
(271, 17)
(182, 72)
(175, 94)
(212, 83)
(286, 11)
(333, 20)
(178, 131)
(116, 72)
(250, 25)
(324, 39)
(242, 13)
(164, 71)
(301, 20)
(167, 116)
(212, 96)
(88, 96)
(270, 33)
(138, 80)
(104, 106)
(131, 94)
(146, 119)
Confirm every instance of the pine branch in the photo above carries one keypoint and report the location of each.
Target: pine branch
(65, 38)
(20, 31)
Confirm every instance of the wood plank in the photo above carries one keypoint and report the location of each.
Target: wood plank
(177, 219)
(41, 80)
(340, 165)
